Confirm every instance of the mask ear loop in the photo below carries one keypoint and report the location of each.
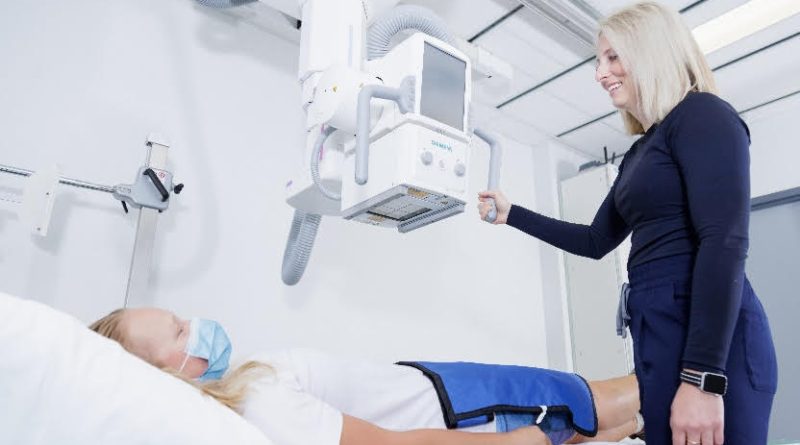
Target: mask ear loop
(183, 365)
(186, 358)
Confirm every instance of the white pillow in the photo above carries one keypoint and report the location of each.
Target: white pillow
(61, 383)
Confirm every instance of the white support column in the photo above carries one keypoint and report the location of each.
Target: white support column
(144, 244)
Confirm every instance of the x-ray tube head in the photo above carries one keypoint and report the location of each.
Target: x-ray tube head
(418, 161)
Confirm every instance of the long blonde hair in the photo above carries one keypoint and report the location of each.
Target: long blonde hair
(230, 390)
(660, 55)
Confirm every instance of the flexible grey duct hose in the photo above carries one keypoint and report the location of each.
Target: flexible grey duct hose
(298, 246)
(315, 164)
(401, 18)
(224, 3)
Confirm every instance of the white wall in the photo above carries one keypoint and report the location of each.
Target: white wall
(554, 162)
(84, 82)
(774, 149)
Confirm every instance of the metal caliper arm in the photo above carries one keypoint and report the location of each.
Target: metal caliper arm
(150, 189)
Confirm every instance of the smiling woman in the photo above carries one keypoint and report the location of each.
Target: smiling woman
(612, 76)
(654, 59)
(683, 194)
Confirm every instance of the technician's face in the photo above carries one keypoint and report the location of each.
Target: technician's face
(159, 337)
(612, 76)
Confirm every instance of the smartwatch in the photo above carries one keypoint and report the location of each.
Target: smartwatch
(709, 382)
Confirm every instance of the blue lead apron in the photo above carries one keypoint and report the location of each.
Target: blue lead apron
(471, 393)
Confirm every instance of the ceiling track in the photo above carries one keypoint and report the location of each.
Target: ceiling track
(495, 23)
(572, 68)
(575, 18)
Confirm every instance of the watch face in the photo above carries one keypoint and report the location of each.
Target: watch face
(714, 383)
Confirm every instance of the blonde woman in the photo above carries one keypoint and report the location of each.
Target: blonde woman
(704, 355)
(301, 397)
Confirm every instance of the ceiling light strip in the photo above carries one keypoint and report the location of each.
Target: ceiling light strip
(742, 21)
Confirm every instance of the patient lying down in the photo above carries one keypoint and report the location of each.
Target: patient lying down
(303, 397)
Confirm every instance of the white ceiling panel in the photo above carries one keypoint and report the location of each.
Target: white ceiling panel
(709, 10)
(592, 139)
(497, 95)
(755, 41)
(762, 77)
(546, 111)
(518, 130)
(492, 119)
(579, 89)
(608, 7)
(467, 21)
(615, 121)
(520, 52)
(542, 35)
(530, 47)
(790, 106)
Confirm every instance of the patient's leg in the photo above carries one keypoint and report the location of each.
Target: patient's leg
(617, 402)
(609, 435)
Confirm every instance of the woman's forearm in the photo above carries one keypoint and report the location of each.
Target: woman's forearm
(605, 233)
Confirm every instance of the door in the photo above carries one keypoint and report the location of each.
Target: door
(773, 267)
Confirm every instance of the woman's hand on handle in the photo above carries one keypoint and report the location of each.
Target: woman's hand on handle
(501, 204)
(697, 417)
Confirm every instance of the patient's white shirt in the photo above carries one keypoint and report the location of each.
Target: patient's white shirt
(303, 402)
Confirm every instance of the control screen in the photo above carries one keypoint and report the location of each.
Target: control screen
(443, 84)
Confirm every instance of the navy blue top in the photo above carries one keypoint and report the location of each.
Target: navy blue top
(682, 188)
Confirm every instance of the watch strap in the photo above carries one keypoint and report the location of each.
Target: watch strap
(698, 379)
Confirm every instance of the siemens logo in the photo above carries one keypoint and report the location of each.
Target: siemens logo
(442, 145)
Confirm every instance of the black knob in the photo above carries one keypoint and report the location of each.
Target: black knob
(157, 183)
(177, 189)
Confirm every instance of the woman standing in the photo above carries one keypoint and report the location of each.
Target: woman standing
(702, 346)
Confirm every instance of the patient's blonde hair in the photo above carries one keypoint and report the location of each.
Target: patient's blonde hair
(230, 390)
(660, 55)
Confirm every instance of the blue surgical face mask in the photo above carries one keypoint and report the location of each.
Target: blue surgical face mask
(208, 340)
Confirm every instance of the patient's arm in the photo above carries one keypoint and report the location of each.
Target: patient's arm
(359, 432)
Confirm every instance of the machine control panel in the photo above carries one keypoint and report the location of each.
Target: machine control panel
(426, 157)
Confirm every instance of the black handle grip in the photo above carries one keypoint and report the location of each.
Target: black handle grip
(157, 182)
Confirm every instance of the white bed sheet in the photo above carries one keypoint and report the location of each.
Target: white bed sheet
(60, 383)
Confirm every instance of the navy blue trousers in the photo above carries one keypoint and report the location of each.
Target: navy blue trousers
(658, 305)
